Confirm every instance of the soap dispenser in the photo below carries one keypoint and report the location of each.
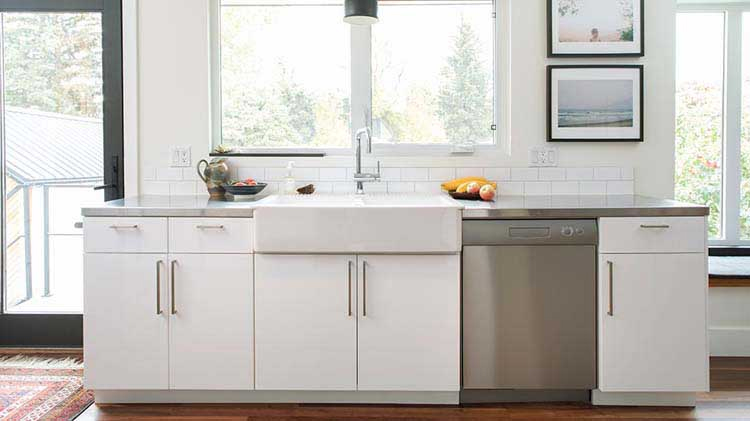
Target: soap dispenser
(290, 186)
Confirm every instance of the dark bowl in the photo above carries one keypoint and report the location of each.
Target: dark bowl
(245, 190)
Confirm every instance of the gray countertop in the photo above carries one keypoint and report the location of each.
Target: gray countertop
(506, 207)
(565, 207)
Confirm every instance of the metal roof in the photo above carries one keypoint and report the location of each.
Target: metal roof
(44, 147)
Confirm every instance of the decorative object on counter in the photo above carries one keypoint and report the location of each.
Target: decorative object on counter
(221, 149)
(595, 103)
(308, 189)
(591, 28)
(247, 187)
(471, 188)
(215, 175)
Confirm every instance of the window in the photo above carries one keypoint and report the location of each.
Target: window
(431, 84)
(713, 116)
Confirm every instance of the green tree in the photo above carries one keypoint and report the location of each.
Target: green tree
(53, 62)
(464, 104)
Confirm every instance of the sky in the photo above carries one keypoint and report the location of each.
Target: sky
(612, 95)
(592, 14)
(700, 47)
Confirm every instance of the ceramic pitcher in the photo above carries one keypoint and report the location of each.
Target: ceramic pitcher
(215, 174)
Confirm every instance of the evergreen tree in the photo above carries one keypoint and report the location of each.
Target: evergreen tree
(464, 103)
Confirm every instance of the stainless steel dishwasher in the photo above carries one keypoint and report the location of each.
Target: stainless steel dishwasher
(529, 305)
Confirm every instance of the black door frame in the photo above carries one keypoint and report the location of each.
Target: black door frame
(66, 330)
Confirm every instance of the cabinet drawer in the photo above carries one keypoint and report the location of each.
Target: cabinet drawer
(210, 235)
(125, 235)
(652, 235)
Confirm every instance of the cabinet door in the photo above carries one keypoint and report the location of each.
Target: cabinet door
(211, 322)
(125, 321)
(652, 329)
(305, 321)
(409, 320)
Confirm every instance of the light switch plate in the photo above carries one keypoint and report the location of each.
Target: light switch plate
(543, 157)
(180, 156)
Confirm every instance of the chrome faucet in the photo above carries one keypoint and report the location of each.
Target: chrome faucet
(359, 176)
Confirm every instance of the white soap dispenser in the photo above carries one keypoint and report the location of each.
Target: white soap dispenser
(290, 186)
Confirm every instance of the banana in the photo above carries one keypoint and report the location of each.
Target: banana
(454, 184)
(462, 188)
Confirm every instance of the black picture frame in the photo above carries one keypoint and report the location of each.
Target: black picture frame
(552, 68)
(552, 54)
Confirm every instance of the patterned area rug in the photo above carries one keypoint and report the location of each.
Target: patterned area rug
(38, 388)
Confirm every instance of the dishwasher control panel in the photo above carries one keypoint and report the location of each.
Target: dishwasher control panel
(524, 232)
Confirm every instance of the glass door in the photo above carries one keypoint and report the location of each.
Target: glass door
(61, 114)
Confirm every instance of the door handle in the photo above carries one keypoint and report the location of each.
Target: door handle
(349, 291)
(364, 288)
(655, 227)
(124, 227)
(158, 287)
(173, 301)
(611, 311)
(105, 186)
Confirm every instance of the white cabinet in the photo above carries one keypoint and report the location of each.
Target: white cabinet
(126, 339)
(409, 323)
(306, 326)
(392, 323)
(652, 309)
(211, 323)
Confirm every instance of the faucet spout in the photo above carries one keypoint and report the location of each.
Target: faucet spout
(359, 176)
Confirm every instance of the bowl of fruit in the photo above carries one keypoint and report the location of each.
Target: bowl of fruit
(247, 187)
(472, 188)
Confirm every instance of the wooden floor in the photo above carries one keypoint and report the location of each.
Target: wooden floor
(729, 399)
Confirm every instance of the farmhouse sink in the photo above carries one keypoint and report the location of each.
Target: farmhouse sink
(378, 223)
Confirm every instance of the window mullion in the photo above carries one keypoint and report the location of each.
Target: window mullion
(733, 126)
(361, 68)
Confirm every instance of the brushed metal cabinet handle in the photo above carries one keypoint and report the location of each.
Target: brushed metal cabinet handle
(158, 287)
(364, 289)
(174, 304)
(655, 227)
(611, 311)
(209, 227)
(349, 291)
(124, 227)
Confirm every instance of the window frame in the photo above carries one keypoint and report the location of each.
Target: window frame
(361, 94)
(731, 116)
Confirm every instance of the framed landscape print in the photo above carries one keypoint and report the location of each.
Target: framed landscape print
(585, 28)
(595, 103)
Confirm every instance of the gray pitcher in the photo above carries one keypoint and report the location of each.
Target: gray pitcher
(215, 175)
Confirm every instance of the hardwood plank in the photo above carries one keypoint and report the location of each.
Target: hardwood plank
(728, 282)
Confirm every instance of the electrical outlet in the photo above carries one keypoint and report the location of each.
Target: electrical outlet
(180, 156)
(543, 157)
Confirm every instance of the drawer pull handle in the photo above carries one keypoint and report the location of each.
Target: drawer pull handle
(364, 289)
(158, 287)
(655, 227)
(174, 304)
(611, 311)
(349, 290)
(209, 227)
(124, 227)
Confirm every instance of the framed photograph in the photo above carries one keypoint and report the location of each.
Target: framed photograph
(595, 103)
(590, 28)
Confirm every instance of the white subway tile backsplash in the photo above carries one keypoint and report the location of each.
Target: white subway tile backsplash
(620, 187)
(593, 187)
(312, 174)
(333, 174)
(376, 187)
(415, 174)
(148, 173)
(606, 173)
(627, 173)
(427, 187)
(344, 187)
(400, 187)
(275, 174)
(537, 188)
(442, 174)
(155, 187)
(497, 174)
(190, 174)
(565, 188)
(510, 189)
(169, 174)
(324, 187)
(552, 174)
(525, 174)
(182, 188)
(390, 174)
(469, 172)
(257, 174)
(580, 174)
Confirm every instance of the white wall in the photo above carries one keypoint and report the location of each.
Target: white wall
(173, 71)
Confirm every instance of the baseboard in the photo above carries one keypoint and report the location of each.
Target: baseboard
(729, 341)
(524, 396)
(258, 396)
(642, 398)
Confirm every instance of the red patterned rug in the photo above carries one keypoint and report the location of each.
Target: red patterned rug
(38, 388)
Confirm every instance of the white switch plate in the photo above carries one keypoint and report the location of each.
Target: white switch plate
(180, 156)
(543, 157)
